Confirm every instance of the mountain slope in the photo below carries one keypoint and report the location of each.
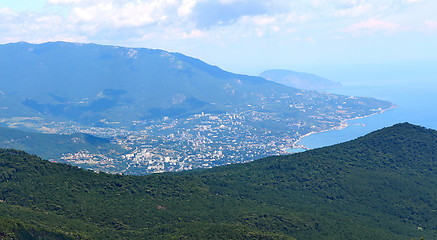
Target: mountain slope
(51, 77)
(97, 85)
(380, 186)
(14, 229)
(56, 147)
(299, 80)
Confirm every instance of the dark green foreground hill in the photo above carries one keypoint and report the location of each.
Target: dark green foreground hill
(380, 186)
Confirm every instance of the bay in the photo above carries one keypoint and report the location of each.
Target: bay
(414, 93)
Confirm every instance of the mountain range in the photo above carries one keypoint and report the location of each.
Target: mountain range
(379, 186)
(88, 82)
(114, 86)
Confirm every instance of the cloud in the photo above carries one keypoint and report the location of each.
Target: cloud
(72, 2)
(186, 8)
(259, 26)
(7, 12)
(431, 25)
(355, 11)
(195, 33)
(130, 14)
(135, 21)
(198, 13)
(37, 28)
(371, 26)
(207, 14)
(187, 18)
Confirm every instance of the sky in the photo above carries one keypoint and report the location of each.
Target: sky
(242, 36)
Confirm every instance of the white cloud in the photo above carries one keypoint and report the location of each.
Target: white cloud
(186, 8)
(112, 21)
(355, 11)
(7, 12)
(317, 3)
(184, 18)
(73, 2)
(260, 21)
(38, 28)
(92, 13)
(130, 14)
(373, 25)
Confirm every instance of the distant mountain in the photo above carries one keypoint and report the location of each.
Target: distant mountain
(299, 80)
(109, 85)
(89, 82)
(380, 186)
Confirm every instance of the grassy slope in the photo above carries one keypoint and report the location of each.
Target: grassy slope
(381, 186)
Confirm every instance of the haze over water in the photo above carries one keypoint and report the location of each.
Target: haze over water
(413, 88)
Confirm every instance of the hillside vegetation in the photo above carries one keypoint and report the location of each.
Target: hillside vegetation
(380, 186)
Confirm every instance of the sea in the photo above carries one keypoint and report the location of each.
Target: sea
(412, 87)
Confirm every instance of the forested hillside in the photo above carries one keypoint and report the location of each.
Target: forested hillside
(380, 186)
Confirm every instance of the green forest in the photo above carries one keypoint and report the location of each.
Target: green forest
(379, 186)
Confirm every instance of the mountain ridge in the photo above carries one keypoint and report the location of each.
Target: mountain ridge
(124, 84)
(136, 61)
(379, 186)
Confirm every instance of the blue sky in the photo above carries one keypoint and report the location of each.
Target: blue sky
(244, 36)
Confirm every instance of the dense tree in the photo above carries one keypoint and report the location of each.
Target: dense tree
(380, 186)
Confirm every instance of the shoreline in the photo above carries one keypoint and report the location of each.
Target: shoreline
(343, 124)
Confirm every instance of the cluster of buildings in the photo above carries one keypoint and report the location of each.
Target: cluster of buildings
(211, 139)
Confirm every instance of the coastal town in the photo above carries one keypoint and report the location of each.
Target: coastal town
(200, 141)
(208, 139)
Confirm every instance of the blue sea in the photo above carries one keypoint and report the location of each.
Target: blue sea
(412, 89)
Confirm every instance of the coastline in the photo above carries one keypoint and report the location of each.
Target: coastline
(343, 124)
